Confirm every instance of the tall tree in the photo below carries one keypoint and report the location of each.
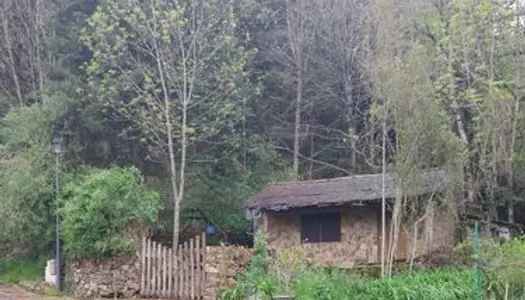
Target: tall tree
(176, 69)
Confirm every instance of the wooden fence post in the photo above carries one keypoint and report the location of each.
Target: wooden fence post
(198, 267)
(176, 273)
(203, 256)
(143, 267)
(170, 272)
(149, 265)
(192, 268)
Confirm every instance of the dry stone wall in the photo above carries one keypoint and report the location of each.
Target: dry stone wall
(107, 278)
(121, 276)
(222, 265)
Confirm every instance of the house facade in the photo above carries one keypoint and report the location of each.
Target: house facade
(339, 221)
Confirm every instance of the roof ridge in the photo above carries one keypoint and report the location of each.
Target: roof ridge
(300, 182)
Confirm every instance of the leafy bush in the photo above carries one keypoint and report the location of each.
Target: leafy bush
(102, 209)
(26, 173)
(504, 268)
(503, 265)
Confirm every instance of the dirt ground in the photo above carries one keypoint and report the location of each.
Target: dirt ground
(10, 292)
(13, 292)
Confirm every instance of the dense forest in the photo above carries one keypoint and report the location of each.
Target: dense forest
(211, 100)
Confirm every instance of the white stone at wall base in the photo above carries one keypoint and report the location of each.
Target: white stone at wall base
(50, 276)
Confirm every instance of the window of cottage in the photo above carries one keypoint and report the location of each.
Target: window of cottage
(321, 228)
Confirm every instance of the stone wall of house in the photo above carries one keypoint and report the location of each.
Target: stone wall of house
(435, 235)
(222, 265)
(106, 278)
(359, 237)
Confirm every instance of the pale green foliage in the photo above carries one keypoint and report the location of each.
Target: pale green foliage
(191, 49)
(503, 265)
(261, 257)
(506, 261)
(103, 208)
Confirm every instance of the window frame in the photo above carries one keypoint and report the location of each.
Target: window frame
(315, 222)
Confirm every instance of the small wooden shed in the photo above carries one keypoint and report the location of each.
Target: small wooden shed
(338, 221)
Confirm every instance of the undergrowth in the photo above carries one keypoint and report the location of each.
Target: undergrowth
(289, 273)
(17, 268)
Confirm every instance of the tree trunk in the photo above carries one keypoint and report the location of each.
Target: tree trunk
(394, 230)
(171, 151)
(414, 246)
(12, 66)
(429, 228)
(517, 98)
(312, 154)
(38, 28)
(351, 121)
(297, 127)
(184, 146)
(383, 200)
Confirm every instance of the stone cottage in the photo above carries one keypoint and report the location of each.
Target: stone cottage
(339, 221)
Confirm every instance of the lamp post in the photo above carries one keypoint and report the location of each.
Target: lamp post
(57, 150)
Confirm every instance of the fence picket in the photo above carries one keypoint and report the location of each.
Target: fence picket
(153, 268)
(176, 272)
(166, 271)
(181, 271)
(148, 261)
(186, 271)
(143, 267)
(203, 259)
(159, 271)
(164, 265)
(192, 269)
(158, 290)
(170, 272)
(197, 267)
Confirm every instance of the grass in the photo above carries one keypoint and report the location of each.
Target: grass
(445, 284)
(16, 268)
(322, 284)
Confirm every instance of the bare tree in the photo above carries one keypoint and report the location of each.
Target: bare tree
(340, 55)
(24, 50)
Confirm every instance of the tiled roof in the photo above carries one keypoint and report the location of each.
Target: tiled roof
(338, 191)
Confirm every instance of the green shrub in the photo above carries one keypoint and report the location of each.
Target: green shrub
(101, 210)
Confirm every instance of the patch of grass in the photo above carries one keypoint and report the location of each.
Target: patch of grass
(444, 284)
(16, 268)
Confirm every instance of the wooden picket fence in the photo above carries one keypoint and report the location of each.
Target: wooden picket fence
(173, 273)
